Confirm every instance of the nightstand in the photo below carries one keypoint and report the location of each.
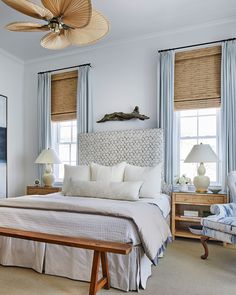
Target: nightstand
(42, 190)
(191, 201)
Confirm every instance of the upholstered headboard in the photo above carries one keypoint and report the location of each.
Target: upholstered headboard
(142, 147)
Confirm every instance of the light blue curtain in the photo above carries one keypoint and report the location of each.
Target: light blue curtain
(165, 108)
(44, 114)
(84, 102)
(228, 109)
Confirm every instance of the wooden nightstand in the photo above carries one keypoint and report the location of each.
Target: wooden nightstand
(191, 201)
(42, 190)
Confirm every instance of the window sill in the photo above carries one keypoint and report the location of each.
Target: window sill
(58, 183)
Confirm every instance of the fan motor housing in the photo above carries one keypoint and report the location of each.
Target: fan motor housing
(55, 25)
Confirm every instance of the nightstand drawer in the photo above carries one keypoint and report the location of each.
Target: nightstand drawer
(199, 199)
(42, 190)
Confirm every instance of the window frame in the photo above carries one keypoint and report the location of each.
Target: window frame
(177, 137)
(56, 142)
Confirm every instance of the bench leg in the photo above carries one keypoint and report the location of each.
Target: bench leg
(96, 284)
(204, 244)
(105, 269)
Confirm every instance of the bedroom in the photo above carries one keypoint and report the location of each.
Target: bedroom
(124, 68)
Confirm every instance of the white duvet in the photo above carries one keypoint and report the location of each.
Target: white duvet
(94, 218)
(87, 217)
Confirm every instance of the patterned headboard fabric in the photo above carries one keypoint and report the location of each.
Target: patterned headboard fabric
(142, 147)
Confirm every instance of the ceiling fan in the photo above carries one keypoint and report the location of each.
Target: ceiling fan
(70, 22)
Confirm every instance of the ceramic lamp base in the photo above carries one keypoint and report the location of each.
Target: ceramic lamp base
(201, 182)
(48, 177)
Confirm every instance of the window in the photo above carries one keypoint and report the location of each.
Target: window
(195, 127)
(64, 138)
(63, 114)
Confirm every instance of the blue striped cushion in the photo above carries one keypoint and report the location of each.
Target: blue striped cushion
(218, 235)
(224, 224)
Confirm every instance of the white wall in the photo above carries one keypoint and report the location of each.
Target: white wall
(11, 85)
(124, 76)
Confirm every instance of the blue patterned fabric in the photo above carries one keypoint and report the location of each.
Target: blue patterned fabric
(218, 235)
(222, 225)
(227, 224)
(224, 210)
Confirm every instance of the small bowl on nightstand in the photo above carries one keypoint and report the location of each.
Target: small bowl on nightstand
(196, 229)
(215, 189)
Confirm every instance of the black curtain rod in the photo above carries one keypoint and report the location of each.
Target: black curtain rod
(195, 45)
(67, 68)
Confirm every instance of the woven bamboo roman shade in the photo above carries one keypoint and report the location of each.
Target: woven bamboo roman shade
(198, 78)
(64, 96)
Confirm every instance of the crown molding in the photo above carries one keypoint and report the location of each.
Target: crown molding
(124, 41)
(11, 56)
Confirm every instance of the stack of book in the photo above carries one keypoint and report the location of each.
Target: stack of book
(190, 214)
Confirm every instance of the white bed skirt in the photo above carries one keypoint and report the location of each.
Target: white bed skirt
(127, 272)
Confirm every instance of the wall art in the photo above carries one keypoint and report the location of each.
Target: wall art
(3, 146)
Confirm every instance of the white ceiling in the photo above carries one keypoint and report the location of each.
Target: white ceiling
(128, 19)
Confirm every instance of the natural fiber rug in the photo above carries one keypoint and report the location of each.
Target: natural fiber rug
(180, 272)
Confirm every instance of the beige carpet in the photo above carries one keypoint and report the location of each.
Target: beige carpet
(180, 272)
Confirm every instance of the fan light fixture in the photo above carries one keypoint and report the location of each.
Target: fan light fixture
(55, 25)
(70, 22)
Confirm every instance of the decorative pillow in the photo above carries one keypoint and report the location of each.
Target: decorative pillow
(75, 172)
(107, 173)
(151, 177)
(128, 191)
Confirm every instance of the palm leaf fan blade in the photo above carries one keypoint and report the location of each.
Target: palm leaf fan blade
(78, 13)
(55, 41)
(55, 6)
(74, 13)
(29, 8)
(26, 27)
(96, 29)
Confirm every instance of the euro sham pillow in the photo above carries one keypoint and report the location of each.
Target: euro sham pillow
(75, 172)
(108, 173)
(128, 191)
(150, 176)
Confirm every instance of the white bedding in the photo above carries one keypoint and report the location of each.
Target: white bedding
(162, 201)
(86, 225)
(66, 223)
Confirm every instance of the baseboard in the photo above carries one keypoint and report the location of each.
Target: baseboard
(230, 246)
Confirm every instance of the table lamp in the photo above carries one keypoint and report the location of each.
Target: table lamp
(48, 157)
(201, 153)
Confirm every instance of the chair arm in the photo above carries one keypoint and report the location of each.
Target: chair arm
(224, 210)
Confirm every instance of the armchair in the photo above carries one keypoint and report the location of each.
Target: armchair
(222, 225)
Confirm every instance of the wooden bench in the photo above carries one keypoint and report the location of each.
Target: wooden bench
(100, 248)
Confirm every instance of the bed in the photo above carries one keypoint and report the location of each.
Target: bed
(81, 217)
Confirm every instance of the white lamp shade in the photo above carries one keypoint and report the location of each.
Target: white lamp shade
(201, 153)
(48, 156)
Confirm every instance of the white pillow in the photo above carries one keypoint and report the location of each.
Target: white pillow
(128, 191)
(75, 172)
(107, 173)
(151, 177)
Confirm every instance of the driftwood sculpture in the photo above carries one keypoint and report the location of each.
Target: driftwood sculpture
(120, 116)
